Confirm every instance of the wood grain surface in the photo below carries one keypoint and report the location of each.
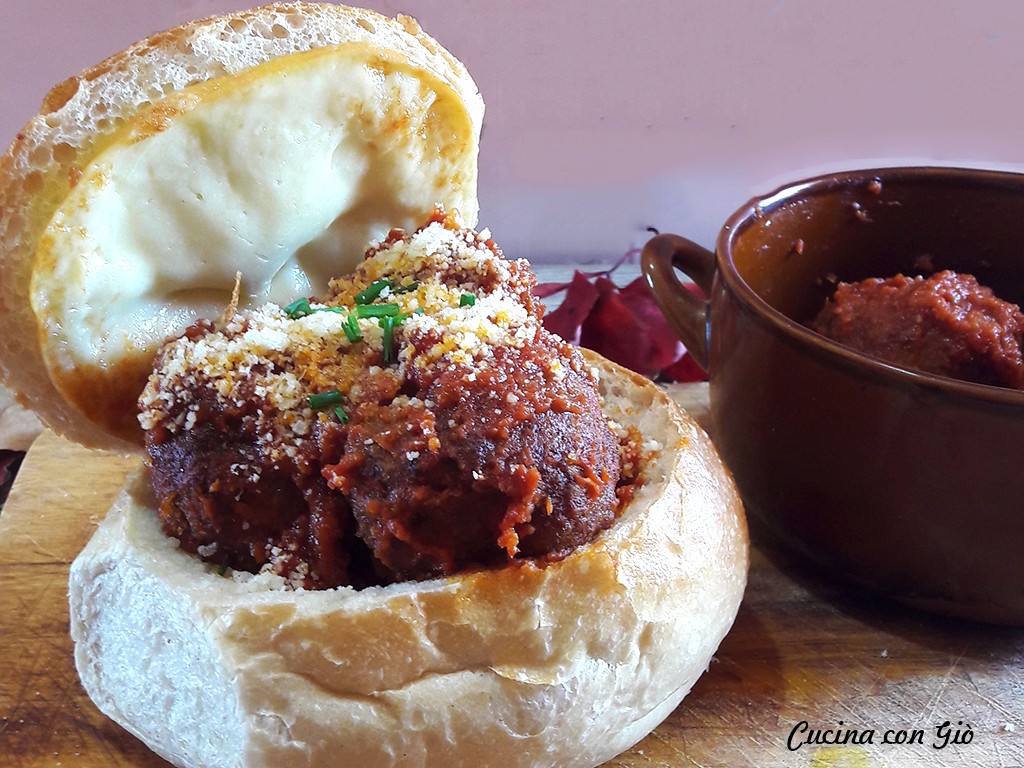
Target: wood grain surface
(802, 650)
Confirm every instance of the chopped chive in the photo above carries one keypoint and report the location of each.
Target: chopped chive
(401, 317)
(467, 300)
(325, 399)
(340, 414)
(298, 308)
(351, 328)
(377, 310)
(335, 310)
(406, 288)
(387, 324)
(223, 569)
(371, 292)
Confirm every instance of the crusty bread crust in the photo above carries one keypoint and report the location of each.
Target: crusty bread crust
(565, 665)
(79, 117)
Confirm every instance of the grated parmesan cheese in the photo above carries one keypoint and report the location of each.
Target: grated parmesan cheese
(279, 358)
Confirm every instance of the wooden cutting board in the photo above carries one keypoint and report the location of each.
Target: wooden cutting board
(802, 650)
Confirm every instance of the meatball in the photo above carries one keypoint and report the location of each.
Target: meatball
(417, 421)
(511, 457)
(946, 324)
(221, 496)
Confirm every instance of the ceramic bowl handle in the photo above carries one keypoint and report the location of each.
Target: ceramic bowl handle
(686, 312)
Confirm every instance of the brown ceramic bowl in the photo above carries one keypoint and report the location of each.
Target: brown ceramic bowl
(906, 483)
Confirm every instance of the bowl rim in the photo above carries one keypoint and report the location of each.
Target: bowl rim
(759, 207)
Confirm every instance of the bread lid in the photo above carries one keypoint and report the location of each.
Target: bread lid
(273, 144)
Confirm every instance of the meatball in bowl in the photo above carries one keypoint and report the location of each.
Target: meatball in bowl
(863, 342)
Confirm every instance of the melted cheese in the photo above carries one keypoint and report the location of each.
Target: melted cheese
(282, 173)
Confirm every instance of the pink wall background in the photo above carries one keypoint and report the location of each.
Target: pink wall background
(609, 116)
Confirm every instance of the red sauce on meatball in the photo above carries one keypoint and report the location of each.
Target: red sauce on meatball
(410, 426)
(494, 462)
(946, 324)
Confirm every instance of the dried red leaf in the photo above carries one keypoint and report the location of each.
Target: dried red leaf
(613, 330)
(543, 290)
(623, 324)
(665, 345)
(567, 320)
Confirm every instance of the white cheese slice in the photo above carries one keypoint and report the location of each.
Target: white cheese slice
(282, 173)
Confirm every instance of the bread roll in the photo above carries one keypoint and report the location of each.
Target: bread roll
(565, 665)
(276, 142)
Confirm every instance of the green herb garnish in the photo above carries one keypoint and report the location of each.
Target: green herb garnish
(340, 414)
(298, 308)
(351, 328)
(387, 324)
(325, 399)
(371, 292)
(467, 300)
(406, 288)
(401, 317)
(378, 310)
(222, 569)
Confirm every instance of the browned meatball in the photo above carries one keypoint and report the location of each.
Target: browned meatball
(485, 465)
(418, 422)
(221, 497)
(945, 324)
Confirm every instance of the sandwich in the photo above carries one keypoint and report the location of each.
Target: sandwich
(382, 517)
